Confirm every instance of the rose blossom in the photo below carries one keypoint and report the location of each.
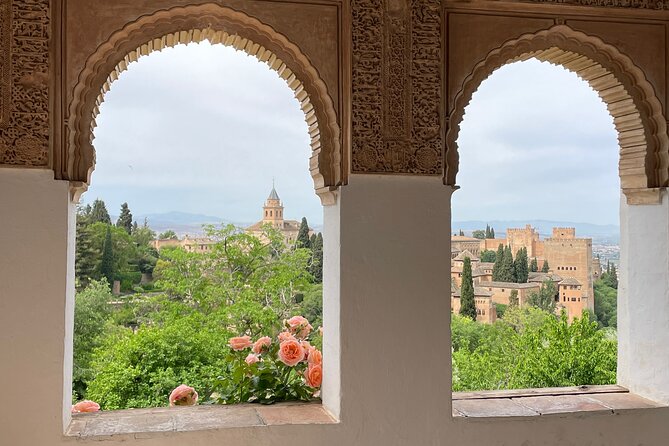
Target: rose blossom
(261, 344)
(315, 356)
(314, 375)
(85, 406)
(183, 396)
(251, 359)
(299, 326)
(291, 352)
(307, 349)
(285, 335)
(240, 342)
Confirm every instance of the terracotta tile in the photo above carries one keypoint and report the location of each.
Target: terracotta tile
(561, 404)
(294, 414)
(497, 407)
(620, 401)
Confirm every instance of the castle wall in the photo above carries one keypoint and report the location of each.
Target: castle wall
(572, 257)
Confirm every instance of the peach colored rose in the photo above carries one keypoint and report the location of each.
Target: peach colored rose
(307, 349)
(314, 375)
(183, 396)
(291, 352)
(261, 344)
(315, 356)
(252, 359)
(299, 326)
(85, 406)
(285, 335)
(240, 342)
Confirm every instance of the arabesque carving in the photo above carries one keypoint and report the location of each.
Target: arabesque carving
(397, 90)
(217, 24)
(24, 75)
(630, 98)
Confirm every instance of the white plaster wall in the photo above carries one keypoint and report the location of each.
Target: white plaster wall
(643, 299)
(395, 345)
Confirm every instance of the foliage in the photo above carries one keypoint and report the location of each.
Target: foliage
(610, 276)
(499, 260)
(501, 309)
(302, 240)
(265, 374)
(461, 233)
(125, 218)
(467, 301)
(479, 233)
(86, 256)
(545, 268)
(545, 298)
(534, 265)
(520, 266)
(168, 235)
(316, 268)
(107, 262)
(91, 312)
(606, 304)
(503, 270)
(539, 351)
(513, 299)
(488, 256)
(98, 212)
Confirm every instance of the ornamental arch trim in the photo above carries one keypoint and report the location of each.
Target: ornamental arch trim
(191, 24)
(628, 95)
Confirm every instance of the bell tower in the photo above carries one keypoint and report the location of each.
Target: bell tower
(273, 209)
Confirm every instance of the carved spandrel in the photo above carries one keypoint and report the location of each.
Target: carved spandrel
(397, 87)
(24, 106)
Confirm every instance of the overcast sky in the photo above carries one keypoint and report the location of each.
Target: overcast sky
(203, 129)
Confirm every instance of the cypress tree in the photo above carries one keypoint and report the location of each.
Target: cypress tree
(461, 232)
(497, 267)
(99, 212)
(508, 273)
(492, 232)
(520, 266)
(107, 263)
(534, 265)
(86, 256)
(467, 302)
(302, 240)
(613, 277)
(316, 268)
(545, 267)
(125, 219)
(513, 298)
(487, 231)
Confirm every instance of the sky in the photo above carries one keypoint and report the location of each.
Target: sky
(206, 129)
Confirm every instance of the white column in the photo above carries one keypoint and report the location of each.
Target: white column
(36, 298)
(643, 299)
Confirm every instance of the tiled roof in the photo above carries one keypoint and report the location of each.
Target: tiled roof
(570, 281)
(464, 254)
(510, 285)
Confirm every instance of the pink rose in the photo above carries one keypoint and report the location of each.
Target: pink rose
(251, 359)
(284, 336)
(240, 342)
(291, 352)
(307, 349)
(262, 344)
(315, 356)
(85, 406)
(183, 396)
(299, 326)
(314, 375)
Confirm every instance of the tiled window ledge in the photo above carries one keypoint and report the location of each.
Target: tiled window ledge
(548, 401)
(182, 419)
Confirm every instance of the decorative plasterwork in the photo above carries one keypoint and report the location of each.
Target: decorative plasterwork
(397, 92)
(637, 4)
(218, 25)
(630, 98)
(24, 76)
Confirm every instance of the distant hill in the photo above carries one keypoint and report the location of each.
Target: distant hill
(599, 233)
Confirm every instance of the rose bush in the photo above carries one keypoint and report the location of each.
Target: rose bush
(285, 370)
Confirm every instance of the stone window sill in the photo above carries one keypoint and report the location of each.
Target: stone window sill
(548, 401)
(197, 418)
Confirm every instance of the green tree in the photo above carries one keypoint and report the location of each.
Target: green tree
(544, 299)
(107, 261)
(498, 266)
(606, 304)
(545, 268)
(534, 265)
(462, 233)
(478, 233)
(302, 240)
(316, 268)
(98, 213)
(507, 273)
(492, 232)
(488, 256)
(91, 312)
(467, 301)
(520, 266)
(487, 231)
(610, 277)
(168, 235)
(86, 256)
(125, 219)
(513, 298)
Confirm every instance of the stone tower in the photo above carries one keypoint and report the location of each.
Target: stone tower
(273, 210)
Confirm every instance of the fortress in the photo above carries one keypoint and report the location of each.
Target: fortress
(570, 268)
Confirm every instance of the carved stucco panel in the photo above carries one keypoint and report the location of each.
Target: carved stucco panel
(24, 79)
(397, 89)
